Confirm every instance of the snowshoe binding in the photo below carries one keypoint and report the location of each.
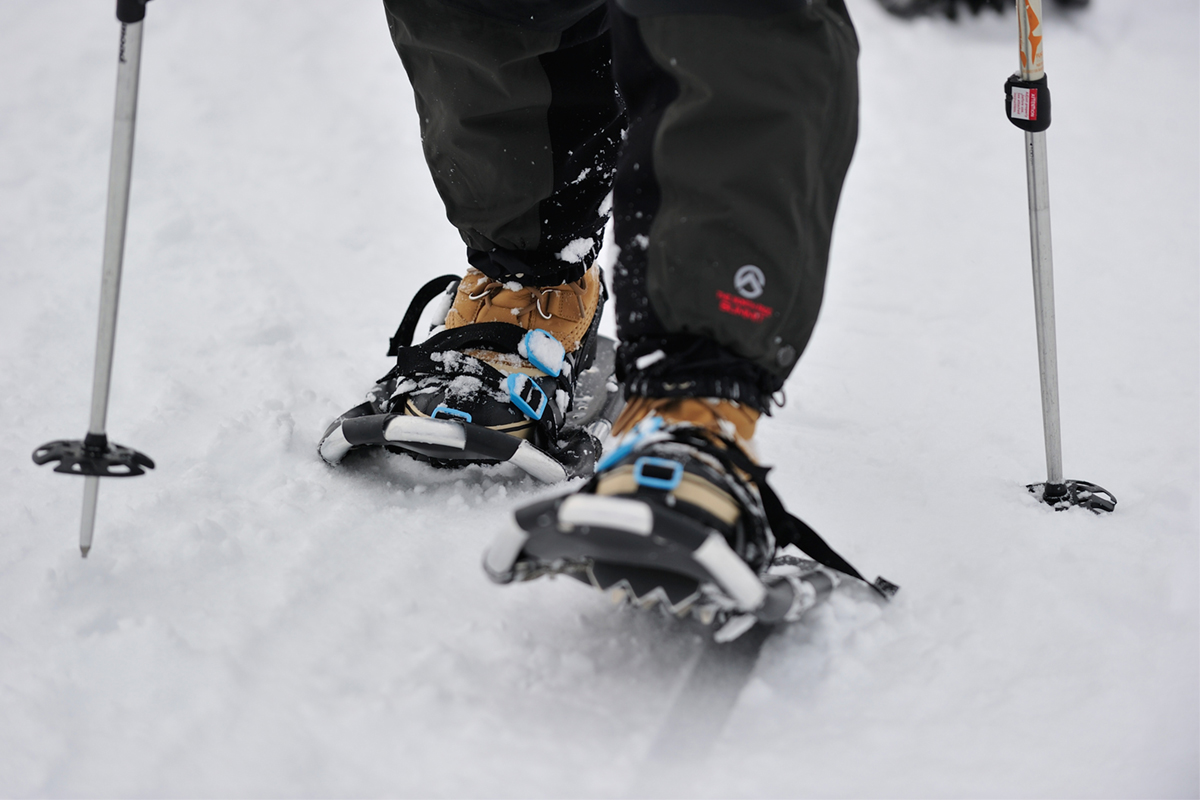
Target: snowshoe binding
(509, 373)
(680, 517)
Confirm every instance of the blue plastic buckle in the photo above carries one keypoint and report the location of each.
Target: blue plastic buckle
(632, 440)
(539, 343)
(450, 412)
(514, 394)
(667, 484)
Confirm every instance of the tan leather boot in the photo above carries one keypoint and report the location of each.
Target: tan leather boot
(725, 418)
(565, 311)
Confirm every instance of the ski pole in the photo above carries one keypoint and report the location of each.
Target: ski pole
(95, 457)
(1027, 103)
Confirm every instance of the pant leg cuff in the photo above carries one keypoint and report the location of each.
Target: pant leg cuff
(685, 365)
(534, 267)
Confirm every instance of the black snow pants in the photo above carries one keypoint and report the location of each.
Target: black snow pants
(722, 128)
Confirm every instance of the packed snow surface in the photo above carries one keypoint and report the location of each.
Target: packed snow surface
(252, 622)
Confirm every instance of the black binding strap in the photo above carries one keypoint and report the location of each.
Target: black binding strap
(501, 337)
(789, 529)
(408, 325)
(418, 359)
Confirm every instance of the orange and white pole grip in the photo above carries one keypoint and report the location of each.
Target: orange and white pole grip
(1029, 23)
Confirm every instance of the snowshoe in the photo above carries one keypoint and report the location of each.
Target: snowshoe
(511, 373)
(678, 516)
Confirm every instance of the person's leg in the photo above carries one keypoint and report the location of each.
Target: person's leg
(742, 122)
(520, 125)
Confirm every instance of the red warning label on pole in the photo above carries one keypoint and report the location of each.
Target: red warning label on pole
(1024, 104)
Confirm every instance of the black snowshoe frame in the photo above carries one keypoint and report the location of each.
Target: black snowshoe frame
(647, 554)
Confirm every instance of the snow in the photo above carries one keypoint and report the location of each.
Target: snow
(251, 622)
(577, 250)
(650, 358)
(463, 387)
(544, 351)
(452, 360)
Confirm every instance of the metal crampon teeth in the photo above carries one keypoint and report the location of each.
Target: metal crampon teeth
(531, 571)
(623, 593)
(708, 604)
(721, 618)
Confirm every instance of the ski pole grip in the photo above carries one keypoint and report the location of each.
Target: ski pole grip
(1029, 33)
(131, 10)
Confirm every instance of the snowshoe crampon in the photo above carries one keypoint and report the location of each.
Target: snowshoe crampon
(487, 393)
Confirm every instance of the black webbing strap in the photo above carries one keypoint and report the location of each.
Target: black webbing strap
(498, 336)
(408, 325)
(789, 529)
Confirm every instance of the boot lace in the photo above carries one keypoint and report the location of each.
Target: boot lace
(487, 289)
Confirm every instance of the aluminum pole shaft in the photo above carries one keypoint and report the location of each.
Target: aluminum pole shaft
(119, 173)
(1029, 25)
(1043, 298)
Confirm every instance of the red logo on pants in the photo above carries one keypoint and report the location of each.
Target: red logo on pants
(741, 307)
